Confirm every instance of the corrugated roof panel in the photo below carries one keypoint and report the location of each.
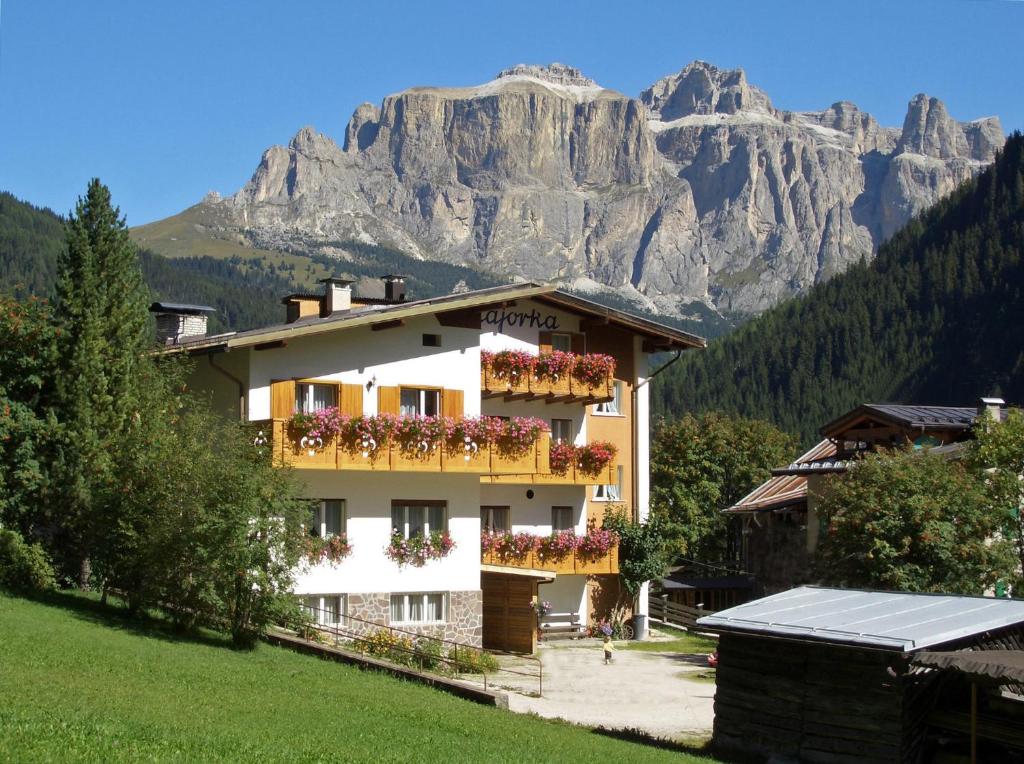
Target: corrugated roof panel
(894, 620)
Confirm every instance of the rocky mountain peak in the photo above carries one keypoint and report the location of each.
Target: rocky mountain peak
(928, 129)
(554, 73)
(702, 88)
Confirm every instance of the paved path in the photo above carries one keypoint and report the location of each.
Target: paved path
(645, 691)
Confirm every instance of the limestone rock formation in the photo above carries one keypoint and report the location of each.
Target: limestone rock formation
(698, 190)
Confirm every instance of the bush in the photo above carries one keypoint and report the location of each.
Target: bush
(428, 654)
(24, 567)
(471, 661)
(383, 644)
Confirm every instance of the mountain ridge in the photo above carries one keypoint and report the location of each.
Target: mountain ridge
(697, 192)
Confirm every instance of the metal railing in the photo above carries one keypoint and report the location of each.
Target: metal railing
(359, 631)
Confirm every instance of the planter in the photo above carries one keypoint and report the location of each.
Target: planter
(508, 464)
(593, 566)
(606, 476)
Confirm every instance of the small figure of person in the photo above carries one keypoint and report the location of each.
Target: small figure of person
(609, 648)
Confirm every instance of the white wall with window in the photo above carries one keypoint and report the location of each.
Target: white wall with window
(535, 515)
(415, 401)
(326, 518)
(326, 609)
(418, 608)
(392, 357)
(368, 519)
(495, 518)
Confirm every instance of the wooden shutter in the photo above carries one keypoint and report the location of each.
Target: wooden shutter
(452, 403)
(544, 343)
(350, 399)
(282, 398)
(578, 344)
(388, 400)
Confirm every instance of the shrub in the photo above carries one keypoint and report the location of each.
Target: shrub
(469, 660)
(428, 654)
(384, 644)
(24, 567)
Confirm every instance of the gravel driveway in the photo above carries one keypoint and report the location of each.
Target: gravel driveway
(645, 691)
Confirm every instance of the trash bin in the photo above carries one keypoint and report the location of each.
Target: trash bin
(639, 626)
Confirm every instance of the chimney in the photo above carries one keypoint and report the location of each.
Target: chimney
(394, 288)
(991, 408)
(176, 322)
(337, 296)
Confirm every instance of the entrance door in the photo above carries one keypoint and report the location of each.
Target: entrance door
(509, 619)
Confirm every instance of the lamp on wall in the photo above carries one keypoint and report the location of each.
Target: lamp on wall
(371, 382)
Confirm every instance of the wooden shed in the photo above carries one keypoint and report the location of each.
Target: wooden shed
(824, 675)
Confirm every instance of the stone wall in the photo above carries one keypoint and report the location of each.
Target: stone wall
(777, 551)
(465, 616)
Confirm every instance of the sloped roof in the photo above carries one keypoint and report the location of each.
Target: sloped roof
(901, 621)
(918, 417)
(479, 298)
(784, 490)
(1001, 665)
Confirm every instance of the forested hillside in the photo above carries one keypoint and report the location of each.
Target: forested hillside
(936, 318)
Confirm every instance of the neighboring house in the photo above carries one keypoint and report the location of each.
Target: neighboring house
(778, 520)
(833, 675)
(369, 358)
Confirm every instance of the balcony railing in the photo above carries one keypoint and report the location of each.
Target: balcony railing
(528, 385)
(289, 448)
(571, 563)
(572, 476)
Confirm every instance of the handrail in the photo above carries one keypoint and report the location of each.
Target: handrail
(359, 637)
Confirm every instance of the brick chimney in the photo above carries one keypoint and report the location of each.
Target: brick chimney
(177, 322)
(991, 408)
(394, 288)
(337, 296)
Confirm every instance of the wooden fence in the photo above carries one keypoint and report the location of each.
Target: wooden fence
(671, 614)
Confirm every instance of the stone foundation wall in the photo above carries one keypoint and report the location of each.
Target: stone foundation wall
(465, 616)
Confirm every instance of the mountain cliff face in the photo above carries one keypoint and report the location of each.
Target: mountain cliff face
(697, 191)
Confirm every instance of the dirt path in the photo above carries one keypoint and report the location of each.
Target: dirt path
(646, 691)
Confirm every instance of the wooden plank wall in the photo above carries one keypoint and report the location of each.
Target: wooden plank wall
(817, 703)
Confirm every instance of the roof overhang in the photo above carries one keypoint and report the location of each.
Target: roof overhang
(508, 570)
(660, 336)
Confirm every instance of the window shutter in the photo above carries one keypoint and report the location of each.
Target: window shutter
(388, 399)
(544, 343)
(452, 404)
(282, 398)
(350, 399)
(579, 346)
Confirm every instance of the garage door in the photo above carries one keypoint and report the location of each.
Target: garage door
(509, 619)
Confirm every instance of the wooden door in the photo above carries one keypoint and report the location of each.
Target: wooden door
(509, 619)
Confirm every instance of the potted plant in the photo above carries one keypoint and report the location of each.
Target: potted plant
(593, 458)
(514, 368)
(418, 550)
(592, 374)
(553, 372)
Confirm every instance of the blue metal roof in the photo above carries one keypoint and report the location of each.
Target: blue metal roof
(890, 620)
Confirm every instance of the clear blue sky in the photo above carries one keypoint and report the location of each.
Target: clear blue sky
(167, 100)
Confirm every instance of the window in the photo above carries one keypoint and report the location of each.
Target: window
(614, 406)
(310, 397)
(416, 402)
(610, 492)
(561, 431)
(417, 518)
(561, 519)
(494, 518)
(562, 342)
(327, 518)
(431, 340)
(418, 608)
(325, 609)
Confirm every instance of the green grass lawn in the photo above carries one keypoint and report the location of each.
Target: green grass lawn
(681, 642)
(79, 683)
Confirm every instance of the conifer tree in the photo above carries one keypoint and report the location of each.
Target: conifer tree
(104, 328)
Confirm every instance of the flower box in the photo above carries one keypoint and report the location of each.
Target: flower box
(587, 390)
(593, 566)
(552, 373)
(416, 459)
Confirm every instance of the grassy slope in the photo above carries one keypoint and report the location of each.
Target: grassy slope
(78, 683)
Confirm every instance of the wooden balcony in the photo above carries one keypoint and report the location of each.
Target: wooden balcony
(571, 564)
(288, 448)
(572, 476)
(527, 388)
